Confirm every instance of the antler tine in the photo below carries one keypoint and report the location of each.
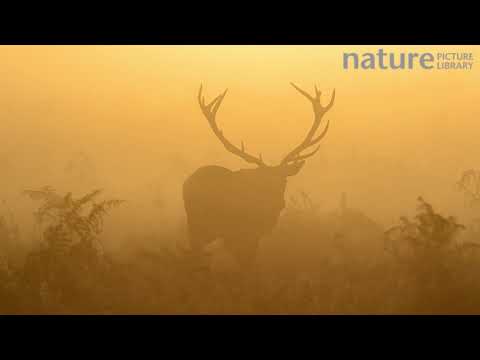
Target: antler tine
(321, 136)
(332, 100)
(313, 142)
(304, 93)
(217, 101)
(303, 157)
(210, 111)
(201, 99)
(319, 111)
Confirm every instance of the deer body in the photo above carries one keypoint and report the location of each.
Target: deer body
(237, 206)
(241, 206)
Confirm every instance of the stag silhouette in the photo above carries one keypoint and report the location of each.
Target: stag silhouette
(242, 206)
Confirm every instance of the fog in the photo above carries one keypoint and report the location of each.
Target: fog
(133, 111)
(126, 119)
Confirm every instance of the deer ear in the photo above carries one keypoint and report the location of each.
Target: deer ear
(292, 169)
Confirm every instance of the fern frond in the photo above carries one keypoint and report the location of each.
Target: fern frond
(87, 198)
(45, 193)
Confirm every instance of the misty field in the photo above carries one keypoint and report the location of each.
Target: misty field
(122, 193)
(313, 262)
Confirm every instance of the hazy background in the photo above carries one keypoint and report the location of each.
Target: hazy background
(133, 111)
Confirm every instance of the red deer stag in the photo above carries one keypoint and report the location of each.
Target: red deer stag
(242, 206)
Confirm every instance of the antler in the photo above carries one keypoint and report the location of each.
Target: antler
(210, 112)
(319, 111)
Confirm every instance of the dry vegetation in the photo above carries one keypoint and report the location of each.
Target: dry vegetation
(418, 266)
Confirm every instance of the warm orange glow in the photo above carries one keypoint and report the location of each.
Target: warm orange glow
(393, 132)
(132, 112)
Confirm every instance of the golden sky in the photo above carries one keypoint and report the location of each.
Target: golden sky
(394, 135)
